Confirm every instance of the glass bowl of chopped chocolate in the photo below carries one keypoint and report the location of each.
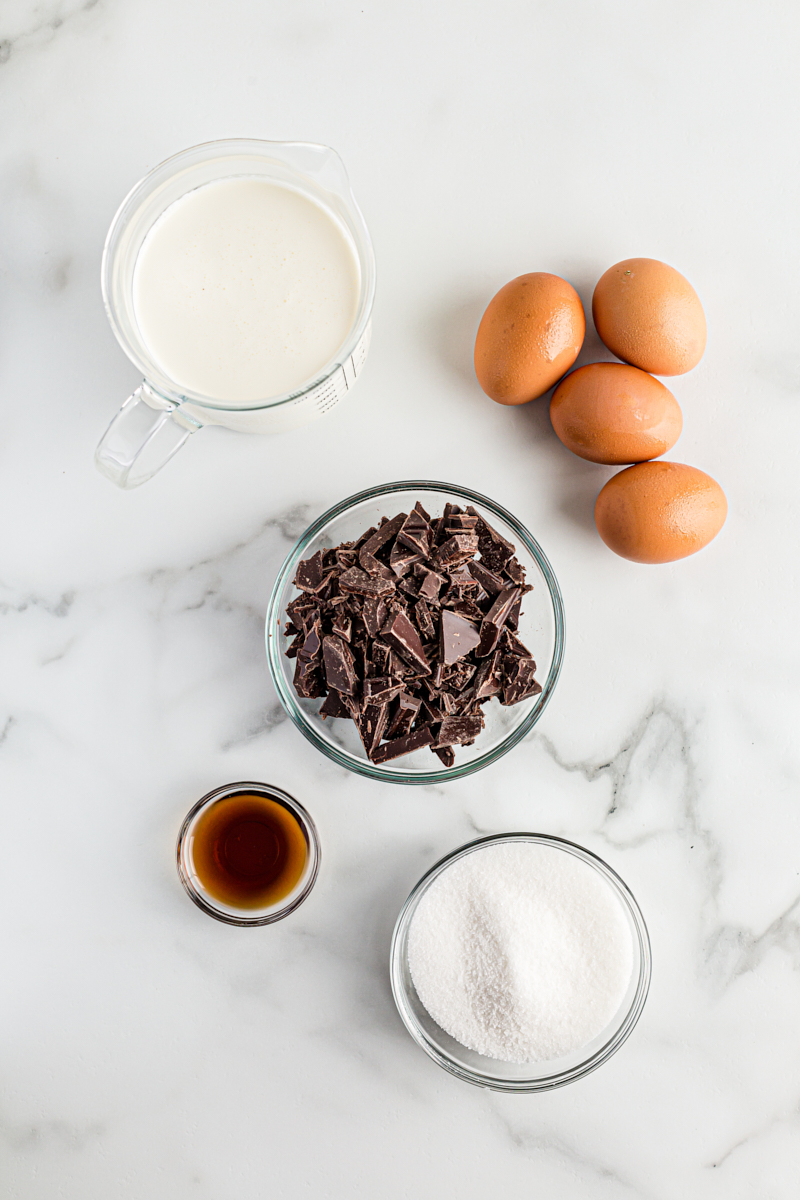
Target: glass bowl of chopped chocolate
(415, 633)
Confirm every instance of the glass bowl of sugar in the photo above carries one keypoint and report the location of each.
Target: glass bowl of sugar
(520, 962)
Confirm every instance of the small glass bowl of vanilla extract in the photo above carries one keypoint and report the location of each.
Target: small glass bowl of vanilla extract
(248, 854)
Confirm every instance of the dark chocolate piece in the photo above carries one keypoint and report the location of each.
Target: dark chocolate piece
(380, 689)
(339, 667)
(445, 753)
(312, 644)
(424, 619)
(385, 533)
(373, 614)
(401, 559)
(333, 706)
(519, 682)
(487, 579)
(513, 569)
(512, 620)
(456, 731)
(361, 584)
(416, 534)
(402, 745)
(371, 725)
(458, 636)
(342, 625)
(405, 715)
(510, 644)
(346, 558)
(488, 681)
(457, 549)
(294, 646)
(309, 573)
(459, 676)
(403, 637)
(495, 550)
(459, 522)
(495, 619)
(431, 584)
(308, 680)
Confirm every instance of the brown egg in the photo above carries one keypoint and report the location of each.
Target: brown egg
(657, 512)
(612, 413)
(649, 315)
(530, 334)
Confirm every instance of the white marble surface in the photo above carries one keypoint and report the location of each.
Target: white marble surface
(146, 1051)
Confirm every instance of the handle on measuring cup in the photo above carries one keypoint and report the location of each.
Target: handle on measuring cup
(144, 435)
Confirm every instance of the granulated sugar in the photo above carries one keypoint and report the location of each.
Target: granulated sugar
(521, 951)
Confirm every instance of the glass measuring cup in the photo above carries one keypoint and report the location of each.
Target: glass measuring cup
(159, 417)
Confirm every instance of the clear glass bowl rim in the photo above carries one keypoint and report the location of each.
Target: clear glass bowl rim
(312, 839)
(286, 694)
(539, 1083)
(228, 147)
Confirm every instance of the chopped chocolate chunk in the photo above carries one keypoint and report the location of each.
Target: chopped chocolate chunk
(402, 745)
(458, 636)
(380, 689)
(401, 559)
(346, 558)
(340, 670)
(359, 542)
(373, 614)
(403, 637)
(361, 584)
(308, 680)
(371, 725)
(487, 579)
(333, 706)
(380, 656)
(519, 682)
(404, 716)
(410, 586)
(457, 549)
(309, 574)
(495, 550)
(456, 731)
(445, 753)
(424, 619)
(384, 534)
(461, 521)
(510, 644)
(342, 625)
(294, 646)
(513, 569)
(459, 676)
(468, 609)
(431, 584)
(495, 619)
(416, 534)
(311, 648)
(512, 620)
(488, 680)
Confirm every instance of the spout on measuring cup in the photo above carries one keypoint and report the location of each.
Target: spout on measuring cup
(142, 437)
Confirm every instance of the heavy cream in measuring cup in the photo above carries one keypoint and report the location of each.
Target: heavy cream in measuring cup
(244, 289)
